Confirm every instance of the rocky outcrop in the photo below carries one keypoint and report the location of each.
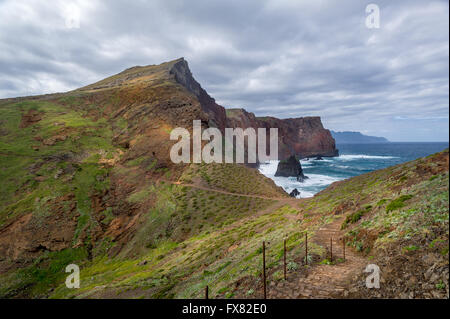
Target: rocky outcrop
(30, 118)
(294, 193)
(303, 136)
(183, 75)
(291, 168)
(156, 96)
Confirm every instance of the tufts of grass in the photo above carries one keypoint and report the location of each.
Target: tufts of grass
(47, 271)
(292, 266)
(353, 218)
(398, 203)
(142, 195)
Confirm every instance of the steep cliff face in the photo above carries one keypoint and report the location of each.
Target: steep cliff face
(183, 75)
(291, 168)
(150, 101)
(303, 137)
(86, 181)
(83, 153)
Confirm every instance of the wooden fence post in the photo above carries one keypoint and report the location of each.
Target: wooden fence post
(285, 259)
(206, 292)
(331, 249)
(264, 269)
(306, 248)
(343, 244)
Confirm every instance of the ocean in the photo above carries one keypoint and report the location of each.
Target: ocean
(354, 159)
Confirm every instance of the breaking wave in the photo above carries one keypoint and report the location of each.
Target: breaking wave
(355, 160)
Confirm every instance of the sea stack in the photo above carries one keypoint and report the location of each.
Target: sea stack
(294, 193)
(291, 167)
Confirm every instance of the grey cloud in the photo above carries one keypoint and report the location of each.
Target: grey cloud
(279, 58)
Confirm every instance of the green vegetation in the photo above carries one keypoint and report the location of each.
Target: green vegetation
(292, 266)
(410, 248)
(245, 180)
(409, 216)
(353, 218)
(142, 195)
(134, 232)
(440, 285)
(165, 276)
(32, 170)
(398, 203)
(326, 262)
(46, 272)
(433, 178)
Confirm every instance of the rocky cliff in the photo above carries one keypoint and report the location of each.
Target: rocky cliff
(86, 181)
(81, 155)
(183, 75)
(303, 136)
(291, 168)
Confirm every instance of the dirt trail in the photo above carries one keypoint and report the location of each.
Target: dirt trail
(322, 281)
(209, 189)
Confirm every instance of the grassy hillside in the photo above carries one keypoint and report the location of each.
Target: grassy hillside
(71, 192)
(187, 237)
(86, 179)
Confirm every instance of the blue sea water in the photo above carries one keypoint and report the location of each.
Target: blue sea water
(354, 159)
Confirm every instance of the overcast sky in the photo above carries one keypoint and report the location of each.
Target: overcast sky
(279, 58)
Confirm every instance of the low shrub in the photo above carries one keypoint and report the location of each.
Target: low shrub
(397, 203)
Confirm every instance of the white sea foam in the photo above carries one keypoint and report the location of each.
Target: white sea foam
(323, 172)
(315, 182)
(308, 188)
(341, 166)
(269, 168)
(350, 157)
(311, 161)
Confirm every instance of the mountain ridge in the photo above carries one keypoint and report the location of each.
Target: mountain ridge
(303, 136)
(87, 145)
(86, 180)
(352, 137)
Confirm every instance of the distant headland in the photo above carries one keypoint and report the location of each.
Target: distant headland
(348, 137)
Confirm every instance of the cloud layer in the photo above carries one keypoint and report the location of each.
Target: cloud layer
(280, 58)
